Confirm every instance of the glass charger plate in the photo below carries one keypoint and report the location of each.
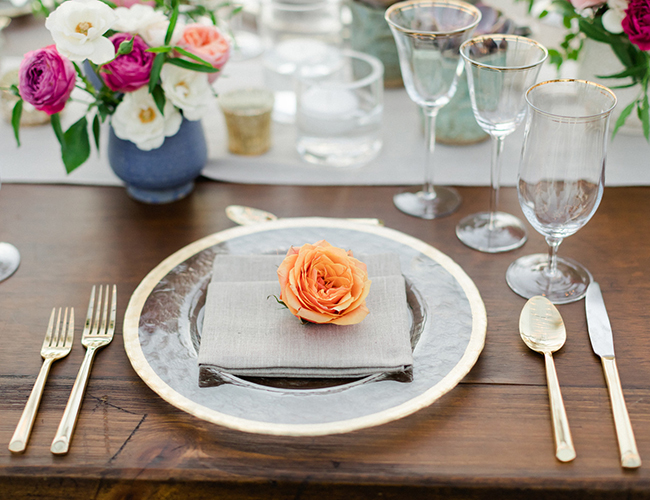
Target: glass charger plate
(162, 328)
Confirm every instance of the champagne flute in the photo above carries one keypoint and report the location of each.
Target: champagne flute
(9, 260)
(500, 68)
(561, 181)
(428, 35)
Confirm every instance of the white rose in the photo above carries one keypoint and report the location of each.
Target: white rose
(78, 26)
(150, 24)
(188, 90)
(137, 119)
(614, 15)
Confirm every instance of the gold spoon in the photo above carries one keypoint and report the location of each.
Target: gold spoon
(243, 216)
(542, 329)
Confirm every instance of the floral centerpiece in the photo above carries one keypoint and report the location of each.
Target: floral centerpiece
(145, 66)
(624, 25)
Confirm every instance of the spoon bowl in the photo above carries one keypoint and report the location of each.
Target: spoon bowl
(542, 329)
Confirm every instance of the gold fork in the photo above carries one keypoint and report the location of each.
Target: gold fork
(94, 337)
(57, 345)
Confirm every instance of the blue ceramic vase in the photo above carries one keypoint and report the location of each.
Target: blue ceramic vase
(161, 175)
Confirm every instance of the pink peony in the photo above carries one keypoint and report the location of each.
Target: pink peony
(584, 4)
(128, 72)
(636, 23)
(46, 79)
(208, 43)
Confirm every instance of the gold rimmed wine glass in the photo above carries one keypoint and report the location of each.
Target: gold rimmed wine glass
(428, 35)
(561, 181)
(500, 68)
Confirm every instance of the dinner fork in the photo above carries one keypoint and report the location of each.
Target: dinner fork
(94, 336)
(57, 345)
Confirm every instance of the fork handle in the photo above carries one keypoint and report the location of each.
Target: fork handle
(61, 442)
(19, 440)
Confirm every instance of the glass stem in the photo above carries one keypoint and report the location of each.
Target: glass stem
(553, 244)
(495, 176)
(430, 114)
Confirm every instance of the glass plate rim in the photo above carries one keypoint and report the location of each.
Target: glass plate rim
(449, 381)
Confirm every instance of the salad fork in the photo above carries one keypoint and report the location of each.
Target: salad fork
(57, 345)
(96, 334)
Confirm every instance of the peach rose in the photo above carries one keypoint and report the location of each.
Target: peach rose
(208, 43)
(321, 283)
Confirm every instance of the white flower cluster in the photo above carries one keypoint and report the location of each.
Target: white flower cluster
(613, 16)
(150, 24)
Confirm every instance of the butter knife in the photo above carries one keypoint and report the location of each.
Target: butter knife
(602, 341)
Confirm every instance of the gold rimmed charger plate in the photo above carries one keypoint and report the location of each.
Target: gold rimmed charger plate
(163, 321)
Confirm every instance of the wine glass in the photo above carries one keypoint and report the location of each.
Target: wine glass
(500, 68)
(428, 35)
(561, 179)
(9, 260)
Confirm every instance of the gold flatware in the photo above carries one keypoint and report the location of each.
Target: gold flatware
(244, 216)
(542, 329)
(94, 337)
(57, 345)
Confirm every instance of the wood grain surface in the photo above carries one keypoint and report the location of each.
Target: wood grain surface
(489, 438)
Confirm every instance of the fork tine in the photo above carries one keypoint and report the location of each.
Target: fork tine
(60, 338)
(50, 326)
(70, 334)
(111, 323)
(98, 312)
(57, 330)
(102, 329)
(89, 314)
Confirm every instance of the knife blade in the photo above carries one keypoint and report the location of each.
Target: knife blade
(602, 342)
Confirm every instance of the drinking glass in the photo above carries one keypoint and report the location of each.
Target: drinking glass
(9, 260)
(500, 68)
(561, 179)
(428, 35)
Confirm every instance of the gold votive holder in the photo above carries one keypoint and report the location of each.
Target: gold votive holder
(248, 120)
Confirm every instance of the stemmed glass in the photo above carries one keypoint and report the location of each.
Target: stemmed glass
(561, 179)
(9, 260)
(500, 68)
(428, 35)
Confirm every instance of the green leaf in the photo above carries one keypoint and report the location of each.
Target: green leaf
(55, 119)
(96, 130)
(172, 22)
(595, 31)
(181, 50)
(183, 63)
(15, 119)
(622, 117)
(636, 71)
(158, 62)
(160, 50)
(126, 47)
(75, 148)
(159, 98)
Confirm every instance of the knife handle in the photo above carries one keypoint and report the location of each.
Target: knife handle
(564, 450)
(629, 454)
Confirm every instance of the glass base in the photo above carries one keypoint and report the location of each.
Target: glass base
(442, 202)
(527, 277)
(9, 260)
(506, 233)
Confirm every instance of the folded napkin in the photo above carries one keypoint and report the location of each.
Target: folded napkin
(247, 333)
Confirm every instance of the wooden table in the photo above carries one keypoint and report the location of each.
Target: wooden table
(490, 437)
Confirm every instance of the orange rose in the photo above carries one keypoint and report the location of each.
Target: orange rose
(208, 43)
(321, 283)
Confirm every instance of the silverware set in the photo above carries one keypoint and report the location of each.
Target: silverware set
(98, 332)
(542, 329)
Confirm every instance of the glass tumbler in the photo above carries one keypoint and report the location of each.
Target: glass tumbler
(339, 115)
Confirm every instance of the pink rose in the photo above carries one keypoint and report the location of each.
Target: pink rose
(584, 4)
(46, 79)
(208, 43)
(321, 283)
(636, 23)
(131, 71)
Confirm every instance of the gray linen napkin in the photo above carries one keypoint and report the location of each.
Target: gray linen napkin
(246, 332)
